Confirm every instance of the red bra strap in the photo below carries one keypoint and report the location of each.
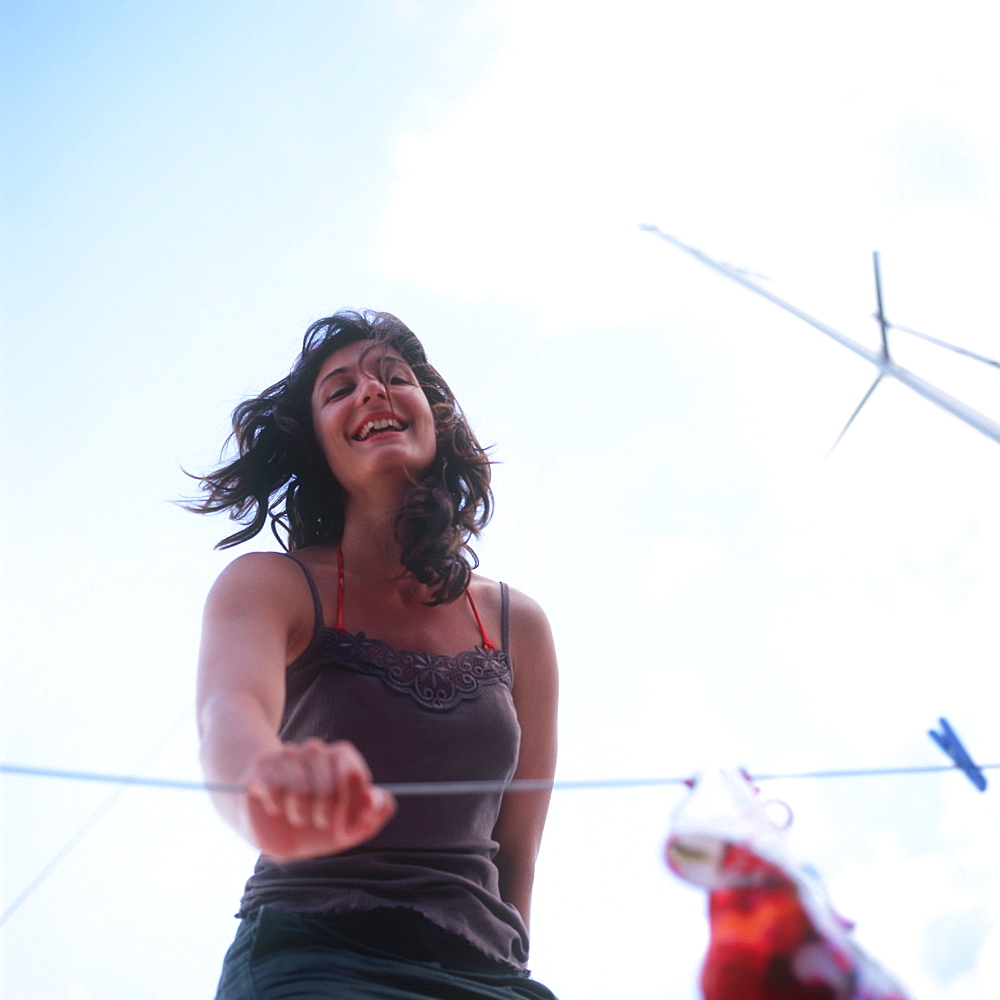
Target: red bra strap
(487, 644)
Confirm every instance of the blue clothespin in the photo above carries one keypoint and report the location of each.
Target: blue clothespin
(949, 742)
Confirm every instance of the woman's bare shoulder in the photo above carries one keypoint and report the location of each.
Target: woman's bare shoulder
(259, 565)
(263, 590)
(260, 577)
(486, 588)
(536, 672)
(529, 625)
(525, 610)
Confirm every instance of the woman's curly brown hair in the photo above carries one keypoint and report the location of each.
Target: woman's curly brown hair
(281, 473)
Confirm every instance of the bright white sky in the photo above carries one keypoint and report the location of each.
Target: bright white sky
(186, 185)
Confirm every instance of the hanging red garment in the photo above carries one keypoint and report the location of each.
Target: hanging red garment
(774, 934)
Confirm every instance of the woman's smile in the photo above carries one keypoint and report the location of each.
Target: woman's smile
(378, 426)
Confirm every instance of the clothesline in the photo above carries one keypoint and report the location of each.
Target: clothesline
(413, 788)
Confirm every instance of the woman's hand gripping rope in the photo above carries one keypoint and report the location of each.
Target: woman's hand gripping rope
(313, 798)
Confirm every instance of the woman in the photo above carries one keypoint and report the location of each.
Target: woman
(371, 654)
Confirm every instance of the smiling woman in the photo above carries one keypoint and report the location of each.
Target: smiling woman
(366, 466)
(282, 471)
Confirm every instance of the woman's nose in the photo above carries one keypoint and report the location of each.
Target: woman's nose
(372, 388)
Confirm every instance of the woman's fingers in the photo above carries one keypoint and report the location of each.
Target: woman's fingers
(380, 808)
(323, 785)
(312, 804)
(352, 815)
(270, 780)
(281, 783)
(323, 792)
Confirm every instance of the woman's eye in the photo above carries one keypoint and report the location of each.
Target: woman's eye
(341, 390)
(399, 380)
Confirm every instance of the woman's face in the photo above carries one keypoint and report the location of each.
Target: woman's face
(371, 417)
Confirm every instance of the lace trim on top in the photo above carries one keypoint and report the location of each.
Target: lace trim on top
(433, 680)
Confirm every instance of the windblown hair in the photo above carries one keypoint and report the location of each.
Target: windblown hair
(281, 472)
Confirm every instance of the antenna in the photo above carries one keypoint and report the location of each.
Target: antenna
(883, 326)
(880, 359)
(880, 316)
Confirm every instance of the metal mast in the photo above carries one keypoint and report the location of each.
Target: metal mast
(880, 359)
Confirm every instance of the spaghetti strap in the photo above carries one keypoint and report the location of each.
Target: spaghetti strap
(317, 603)
(504, 616)
(487, 642)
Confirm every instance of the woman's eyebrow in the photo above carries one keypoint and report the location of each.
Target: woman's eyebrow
(330, 375)
(383, 362)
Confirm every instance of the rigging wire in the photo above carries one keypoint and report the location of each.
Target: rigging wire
(92, 820)
(943, 343)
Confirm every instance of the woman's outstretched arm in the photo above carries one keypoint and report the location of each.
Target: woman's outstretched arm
(301, 800)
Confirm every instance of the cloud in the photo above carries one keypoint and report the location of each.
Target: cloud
(934, 160)
(916, 917)
(673, 563)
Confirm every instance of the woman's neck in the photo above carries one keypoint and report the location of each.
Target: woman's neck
(370, 548)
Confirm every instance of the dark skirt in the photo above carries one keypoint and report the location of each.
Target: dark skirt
(382, 955)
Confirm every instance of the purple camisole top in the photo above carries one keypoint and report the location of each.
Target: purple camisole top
(414, 717)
